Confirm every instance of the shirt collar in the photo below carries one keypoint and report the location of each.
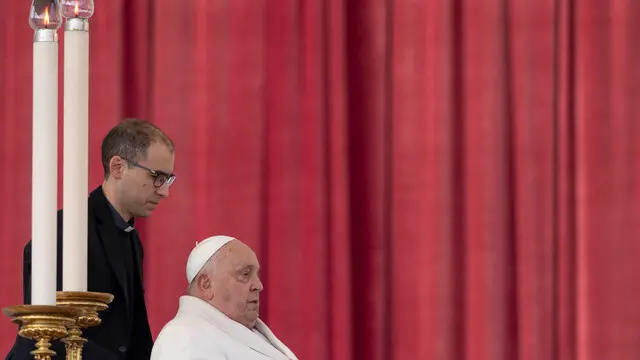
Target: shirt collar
(120, 222)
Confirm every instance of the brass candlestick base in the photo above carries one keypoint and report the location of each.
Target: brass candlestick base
(89, 303)
(42, 323)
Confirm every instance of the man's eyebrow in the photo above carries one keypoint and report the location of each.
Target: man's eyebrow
(160, 172)
(249, 266)
(157, 171)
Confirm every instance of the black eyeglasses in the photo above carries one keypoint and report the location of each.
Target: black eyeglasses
(159, 177)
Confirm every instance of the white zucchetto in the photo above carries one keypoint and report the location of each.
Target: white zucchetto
(203, 251)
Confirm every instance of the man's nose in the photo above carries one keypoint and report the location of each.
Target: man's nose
(163, 190)
(259, 286)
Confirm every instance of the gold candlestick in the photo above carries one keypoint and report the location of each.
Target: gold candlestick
(89, 303)
(43, 324)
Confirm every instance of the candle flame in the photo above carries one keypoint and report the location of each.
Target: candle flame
(46, 16)
(76, 10)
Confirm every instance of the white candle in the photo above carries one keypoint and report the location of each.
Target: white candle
(44, 168)
(76, 159)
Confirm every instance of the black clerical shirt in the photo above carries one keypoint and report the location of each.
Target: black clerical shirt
(125, 242)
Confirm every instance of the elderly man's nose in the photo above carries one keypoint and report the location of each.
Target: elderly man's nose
(258, 286)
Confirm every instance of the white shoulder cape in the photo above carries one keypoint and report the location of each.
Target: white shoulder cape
(201, 332)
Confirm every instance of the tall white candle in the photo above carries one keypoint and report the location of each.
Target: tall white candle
(76, 159)
(44, 167)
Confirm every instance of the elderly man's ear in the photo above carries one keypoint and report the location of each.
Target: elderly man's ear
(205, 286)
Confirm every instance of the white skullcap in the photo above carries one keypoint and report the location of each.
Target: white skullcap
(203, 251)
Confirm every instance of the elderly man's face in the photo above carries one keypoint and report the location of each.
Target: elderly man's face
(236, 284)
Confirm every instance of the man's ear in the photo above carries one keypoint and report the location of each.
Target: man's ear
(204, 283)
(205, 286)
(116, 167)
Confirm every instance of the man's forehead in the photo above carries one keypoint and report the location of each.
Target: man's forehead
(159, 158)
(243, 258)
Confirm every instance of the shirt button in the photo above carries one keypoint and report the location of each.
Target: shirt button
(122, 348)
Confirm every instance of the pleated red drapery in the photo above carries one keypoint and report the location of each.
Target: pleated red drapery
(420, 179)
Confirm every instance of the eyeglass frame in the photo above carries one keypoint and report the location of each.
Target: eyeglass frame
(154, 173)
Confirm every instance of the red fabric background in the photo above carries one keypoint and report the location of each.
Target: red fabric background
(420, 179)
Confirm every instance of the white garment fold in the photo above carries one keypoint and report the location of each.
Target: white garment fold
(199, 331)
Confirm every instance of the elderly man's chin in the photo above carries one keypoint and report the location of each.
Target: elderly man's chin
(253, 307)
(253, 311)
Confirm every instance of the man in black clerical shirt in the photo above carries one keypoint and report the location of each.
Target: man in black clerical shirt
(138, 162)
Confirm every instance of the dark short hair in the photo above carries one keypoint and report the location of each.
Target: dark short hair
(130, 140)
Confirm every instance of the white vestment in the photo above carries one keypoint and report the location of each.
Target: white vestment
(199, 331)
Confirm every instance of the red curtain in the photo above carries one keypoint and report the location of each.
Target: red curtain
(420, 179)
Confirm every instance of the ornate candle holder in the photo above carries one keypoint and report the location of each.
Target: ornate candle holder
(89, 304)
(43, 324)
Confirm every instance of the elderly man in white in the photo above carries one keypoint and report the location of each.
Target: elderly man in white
(218, 319)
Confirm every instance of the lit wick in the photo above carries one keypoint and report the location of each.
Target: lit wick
(46, 16)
